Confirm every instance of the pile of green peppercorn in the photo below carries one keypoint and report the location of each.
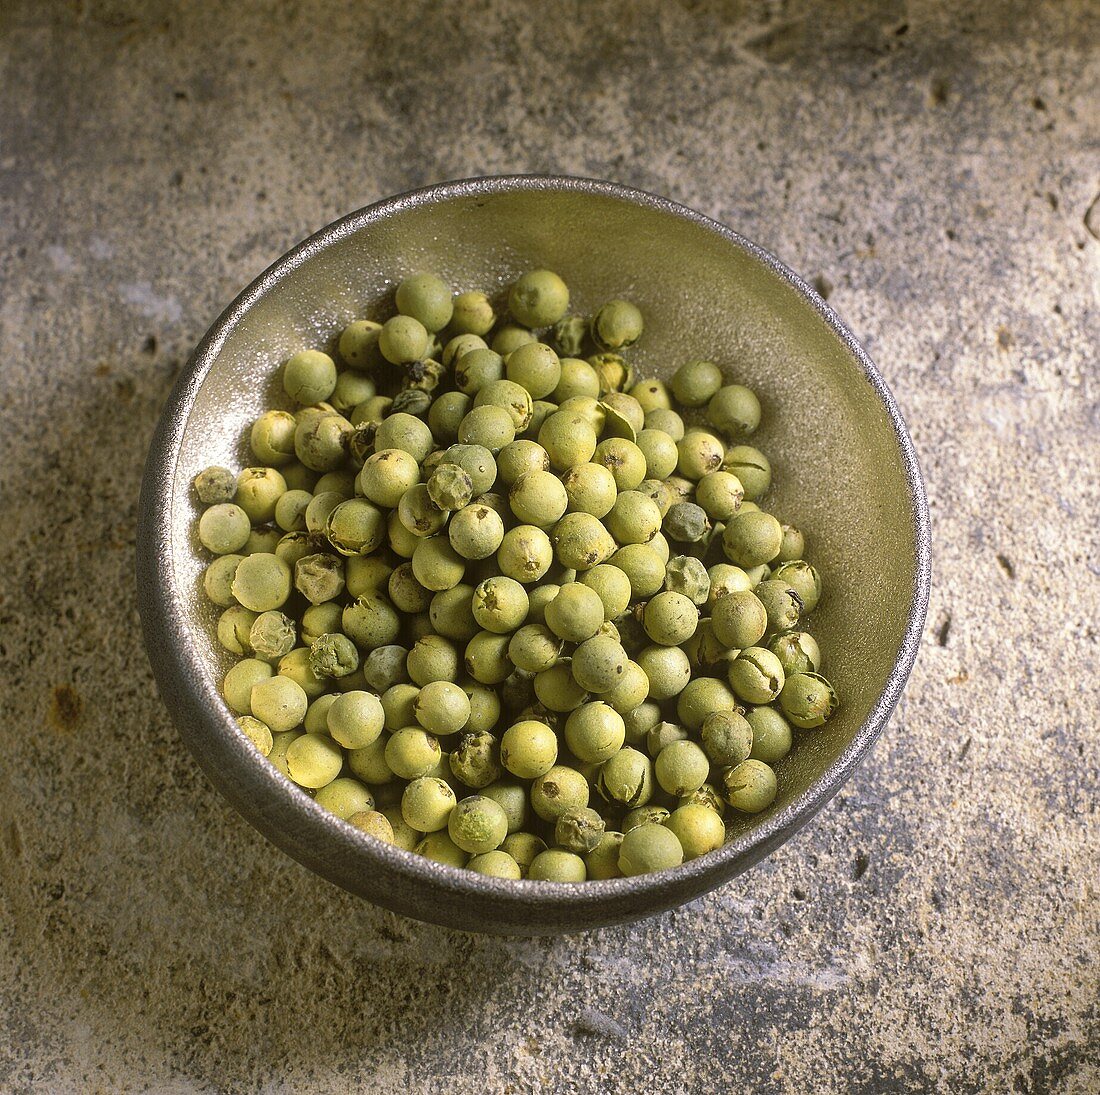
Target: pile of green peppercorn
(496, 603)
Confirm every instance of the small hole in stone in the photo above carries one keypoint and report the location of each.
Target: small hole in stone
(944, 631)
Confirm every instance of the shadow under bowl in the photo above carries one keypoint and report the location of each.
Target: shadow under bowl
(844, 471)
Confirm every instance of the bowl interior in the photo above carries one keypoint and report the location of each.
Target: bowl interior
(839, 473)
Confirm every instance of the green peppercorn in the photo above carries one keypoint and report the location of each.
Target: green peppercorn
(472, 314)
(224, 528)
(739, 620)
(749, 786)
(500, 604)
(475, 531)
(575, 614)
(797, 652)
(782, 604)
(808, 700)
(670, 619)
(557, 690)
(257, 732)
(756, 675)
(538, 299)
(599, 663)
(626, 778)
(426, 298)
(698, 829)
(475, 760)
(648, 848)
(699, 698)
(568, 439)
(735, 410)
(696, 382)
(579, 830)
(309, 377)
(214, 485)
(313, 760)
(557, 865)
(594, 732)
(727, 737)
(751, 467)
(686, 523)
(771, 734)
(794, 545)
(667, 668)
(603, 861)
(403, 339)
(560, 789)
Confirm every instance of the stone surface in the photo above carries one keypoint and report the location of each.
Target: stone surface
(933, 167)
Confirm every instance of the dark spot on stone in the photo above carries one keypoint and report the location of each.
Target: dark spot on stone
(180, 96)
(938, 90)
(149, 346)
(15, 840)
(66, 708)
(1038, 104)
(1057, 309)
(1052, 201)
(103, 369)
(859, 867)
(944, 631)
(823, 286)
(965, 748)
(798, 893)
(1005, 564)
(951, 234)
(176, 178)
(937, 900)
(1005, 339)
(901, 30)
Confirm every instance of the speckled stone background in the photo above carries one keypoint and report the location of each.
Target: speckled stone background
(935, 168)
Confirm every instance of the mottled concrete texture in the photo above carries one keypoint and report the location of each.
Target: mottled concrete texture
(936, 929)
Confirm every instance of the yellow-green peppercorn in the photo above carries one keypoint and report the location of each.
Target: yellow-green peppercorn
(771, 734)
(374, 824)
(257, 732)
(749, 786)
(648, 848)
(557, 865)
(539, 299)
(698, 829)
(472, 314)
(807, 700)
